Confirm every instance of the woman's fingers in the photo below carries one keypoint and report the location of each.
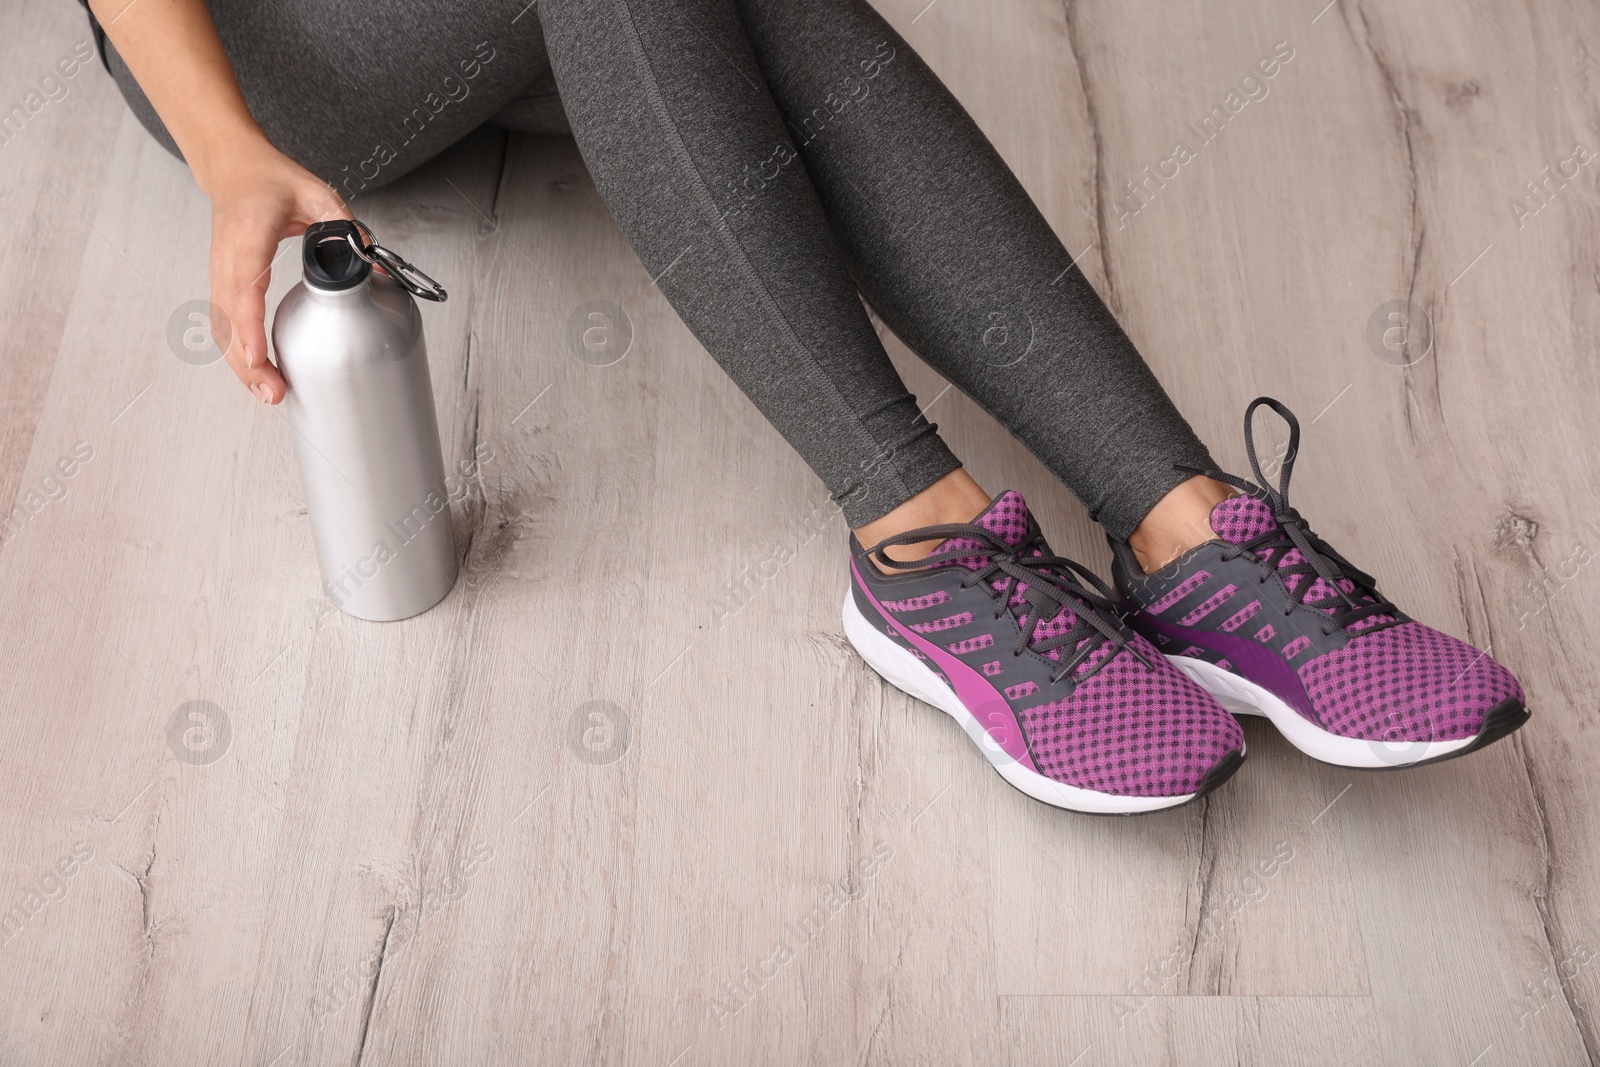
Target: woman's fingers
(320, 204)
(241, 266)
(280, 201)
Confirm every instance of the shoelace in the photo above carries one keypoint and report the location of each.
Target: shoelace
(1318, 559)
(1051, 587)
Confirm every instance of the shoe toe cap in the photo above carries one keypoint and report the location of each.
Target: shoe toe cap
(1136, 730)
(1408, 683)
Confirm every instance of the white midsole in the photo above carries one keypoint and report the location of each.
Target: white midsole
(910, 675)
(1244, 697)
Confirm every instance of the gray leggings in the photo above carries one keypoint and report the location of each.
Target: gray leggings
(772, 162)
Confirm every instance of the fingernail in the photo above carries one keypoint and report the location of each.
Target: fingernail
(262, 390)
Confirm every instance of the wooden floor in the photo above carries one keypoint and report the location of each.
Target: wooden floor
(586, 810)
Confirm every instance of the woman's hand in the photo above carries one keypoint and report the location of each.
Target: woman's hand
(259, 196)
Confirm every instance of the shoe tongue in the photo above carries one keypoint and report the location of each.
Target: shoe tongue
(1006, 518)
(1242, 518)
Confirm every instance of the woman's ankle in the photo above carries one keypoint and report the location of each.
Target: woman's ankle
(952, 499)
(1179, 521)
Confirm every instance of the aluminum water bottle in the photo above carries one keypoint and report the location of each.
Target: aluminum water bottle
(360, 403)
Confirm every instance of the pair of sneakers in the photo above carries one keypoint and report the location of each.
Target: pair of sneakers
(1117, 701)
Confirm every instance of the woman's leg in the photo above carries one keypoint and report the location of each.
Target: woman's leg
(672, 114)
(671, 111)
(951, 252)
(348, 93)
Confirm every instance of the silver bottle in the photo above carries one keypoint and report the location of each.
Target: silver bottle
(349, 342)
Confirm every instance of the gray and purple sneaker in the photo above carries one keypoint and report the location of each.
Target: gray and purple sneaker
(1272, 621)
(1025, 650)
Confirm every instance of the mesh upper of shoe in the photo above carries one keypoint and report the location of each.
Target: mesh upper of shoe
(1407, 682)
(1127, 728)
(1007, 519)
(1132, 730)
(1244, 518)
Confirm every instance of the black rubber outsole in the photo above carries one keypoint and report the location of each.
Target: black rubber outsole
(1224, 769)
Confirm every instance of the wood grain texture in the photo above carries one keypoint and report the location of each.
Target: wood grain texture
(401, 858)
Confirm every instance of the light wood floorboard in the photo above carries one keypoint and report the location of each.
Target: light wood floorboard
(400, 859)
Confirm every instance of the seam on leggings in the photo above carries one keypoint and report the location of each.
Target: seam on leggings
(652, 90)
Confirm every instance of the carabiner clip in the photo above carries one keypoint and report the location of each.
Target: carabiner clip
(410, 278)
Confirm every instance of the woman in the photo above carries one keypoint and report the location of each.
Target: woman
(773, 161)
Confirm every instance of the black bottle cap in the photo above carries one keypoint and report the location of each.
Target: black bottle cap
(329, 260)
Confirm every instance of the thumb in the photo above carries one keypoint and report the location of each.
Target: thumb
(319, 203)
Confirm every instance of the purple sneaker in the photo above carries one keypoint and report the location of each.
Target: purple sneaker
(1274, 622)
(1071, 706)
